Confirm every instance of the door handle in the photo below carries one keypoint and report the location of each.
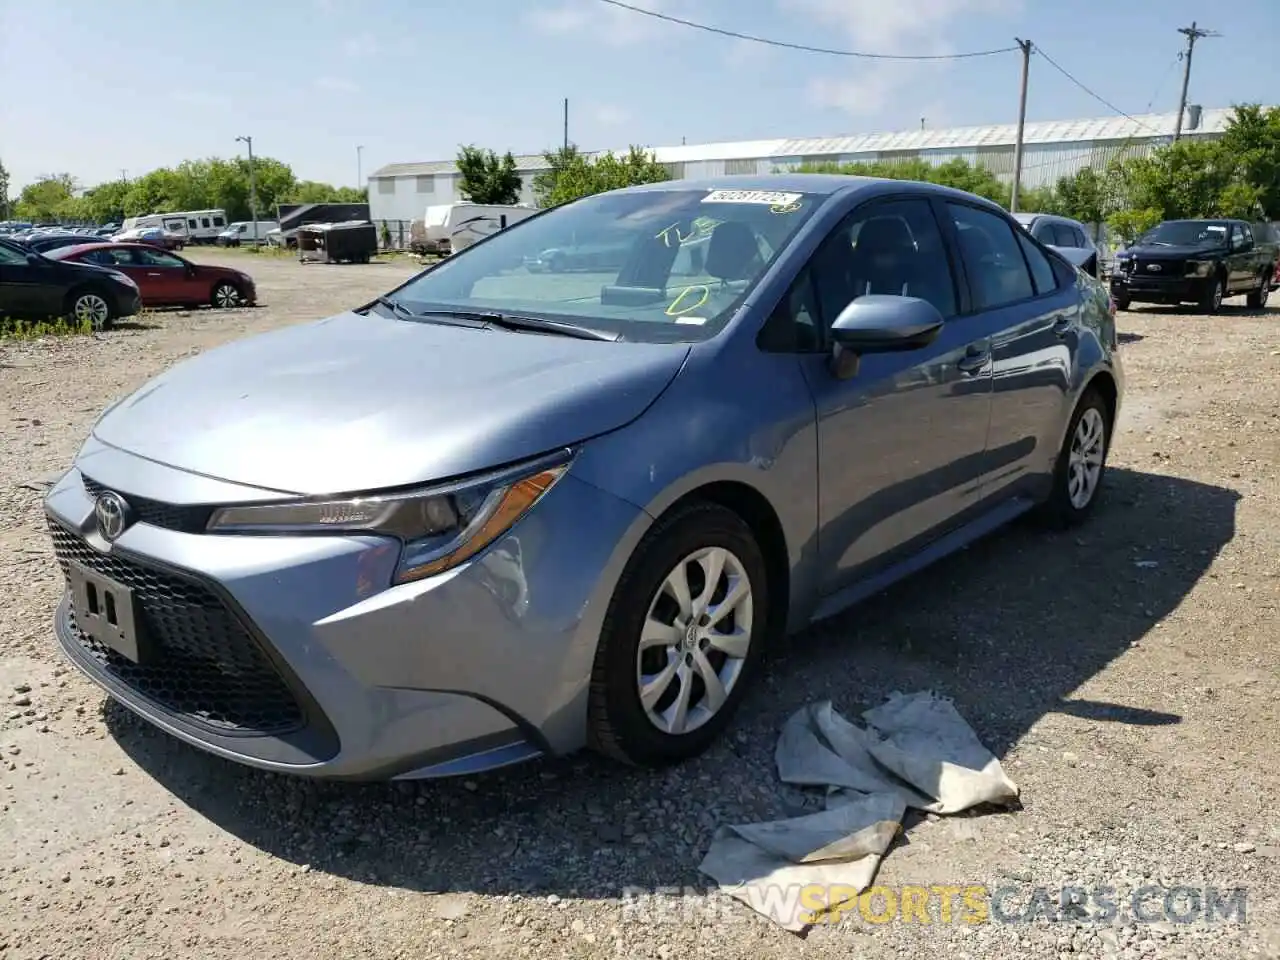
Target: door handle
(155, 274)
(1062, 324)
(975, 359)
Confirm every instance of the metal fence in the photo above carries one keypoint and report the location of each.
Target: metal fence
(394, 234)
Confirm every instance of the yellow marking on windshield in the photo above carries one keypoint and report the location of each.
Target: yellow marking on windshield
(671, 310)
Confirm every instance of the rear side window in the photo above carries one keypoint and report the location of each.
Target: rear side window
(1064, 236)
(993, 258)
(1041, 269)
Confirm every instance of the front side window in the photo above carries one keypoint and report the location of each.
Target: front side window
(1041, 269)
(655, 265)
(892, 247)
(11, 257)
(157, 258)
(993, 259)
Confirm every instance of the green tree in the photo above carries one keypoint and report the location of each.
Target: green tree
(1083, 196)
(1186, 179)
(51, 197)
(1252, 138)
(487, 178)
(578, 175)
(313, 191)
(4, 193)
(957, 173)
(105, 203)
(558, 162)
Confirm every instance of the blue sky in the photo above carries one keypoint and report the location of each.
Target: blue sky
(93, 88)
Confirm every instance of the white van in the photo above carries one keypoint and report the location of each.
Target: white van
(242, 232)
(198, 226)
(450, 227)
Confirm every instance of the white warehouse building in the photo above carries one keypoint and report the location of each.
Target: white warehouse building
(1051, 149)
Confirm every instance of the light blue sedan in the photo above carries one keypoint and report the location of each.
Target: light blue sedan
(500, 513)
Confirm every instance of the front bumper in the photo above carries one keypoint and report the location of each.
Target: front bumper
(295, 654)
(128, 301)
(1173, 290)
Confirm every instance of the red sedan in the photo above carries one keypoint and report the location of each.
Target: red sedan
(166, 279)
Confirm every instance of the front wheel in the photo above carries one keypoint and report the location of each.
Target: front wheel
(1082, 462)
(1212, 300)
(682, 638)
(1257, 299)
(225, 296)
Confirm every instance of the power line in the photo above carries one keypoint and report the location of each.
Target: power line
(857, 54)
(1102, 100)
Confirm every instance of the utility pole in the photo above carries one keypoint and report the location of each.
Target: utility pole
(124, 175)
(1192, 33)
(253, 187)
(1026, 47)
(359, 168)
(566, 123)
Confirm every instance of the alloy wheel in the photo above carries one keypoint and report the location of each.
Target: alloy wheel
(1084, 463)
(695, 639)
(91, 309)
(226, 296)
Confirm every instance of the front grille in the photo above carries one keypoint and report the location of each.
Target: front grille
(184, 519)
(1169, 269)
(207, 667)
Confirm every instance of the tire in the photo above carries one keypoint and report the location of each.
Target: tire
(226, 296)
(1063, 509)
(1122, 302)
(1258, 298)
(619, 724)
(92, 305)
(1213, 297)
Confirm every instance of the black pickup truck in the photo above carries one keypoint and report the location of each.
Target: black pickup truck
(1196, 261)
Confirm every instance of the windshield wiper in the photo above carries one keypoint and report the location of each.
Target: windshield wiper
(430, 316)
(511, 321)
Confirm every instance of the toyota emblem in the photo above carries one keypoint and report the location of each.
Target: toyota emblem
(113, 515)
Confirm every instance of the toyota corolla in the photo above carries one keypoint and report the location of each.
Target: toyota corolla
(500, 513)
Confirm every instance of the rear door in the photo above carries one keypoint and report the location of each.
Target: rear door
(1031, 312)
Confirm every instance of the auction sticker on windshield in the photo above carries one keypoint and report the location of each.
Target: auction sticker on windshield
(769, 198)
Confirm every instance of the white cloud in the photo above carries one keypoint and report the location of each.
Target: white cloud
(363, 45)
(335, 85)
(608, 115)
(612, 25)
(195, 98)
(897, 27)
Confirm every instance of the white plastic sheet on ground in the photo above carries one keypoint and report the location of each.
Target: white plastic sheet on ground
(915, 751)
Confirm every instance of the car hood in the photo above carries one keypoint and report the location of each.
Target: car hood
(1161, 252)
(357, 403)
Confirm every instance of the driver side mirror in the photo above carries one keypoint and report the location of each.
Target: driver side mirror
(881, 323)
(34, 259)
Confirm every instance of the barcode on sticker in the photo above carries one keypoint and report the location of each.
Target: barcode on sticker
(770, 198)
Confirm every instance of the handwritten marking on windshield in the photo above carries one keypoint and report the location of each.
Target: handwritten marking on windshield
(674, 309)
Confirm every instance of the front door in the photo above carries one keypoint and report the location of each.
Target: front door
(901, 442)
(166, 277)
(28, 290)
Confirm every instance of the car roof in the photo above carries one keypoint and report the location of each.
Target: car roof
(821, 184)
(63, 252)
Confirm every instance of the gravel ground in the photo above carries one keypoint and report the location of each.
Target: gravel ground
(1125, 674)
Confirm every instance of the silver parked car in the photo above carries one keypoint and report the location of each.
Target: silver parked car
(1068, 237)
(500, 513)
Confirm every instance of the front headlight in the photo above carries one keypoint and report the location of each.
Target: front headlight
(123, 278)
(438, 527)
(1199, 268)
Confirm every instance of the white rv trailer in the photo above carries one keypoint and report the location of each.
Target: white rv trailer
(198, 226)
(450, 227)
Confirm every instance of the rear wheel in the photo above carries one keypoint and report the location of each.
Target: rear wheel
(1121, 302)
(91, 307)
(1082, 462)
(226, 295)
(682, 638)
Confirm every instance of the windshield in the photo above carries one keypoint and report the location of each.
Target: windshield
(653, 265)
(1186, 233)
